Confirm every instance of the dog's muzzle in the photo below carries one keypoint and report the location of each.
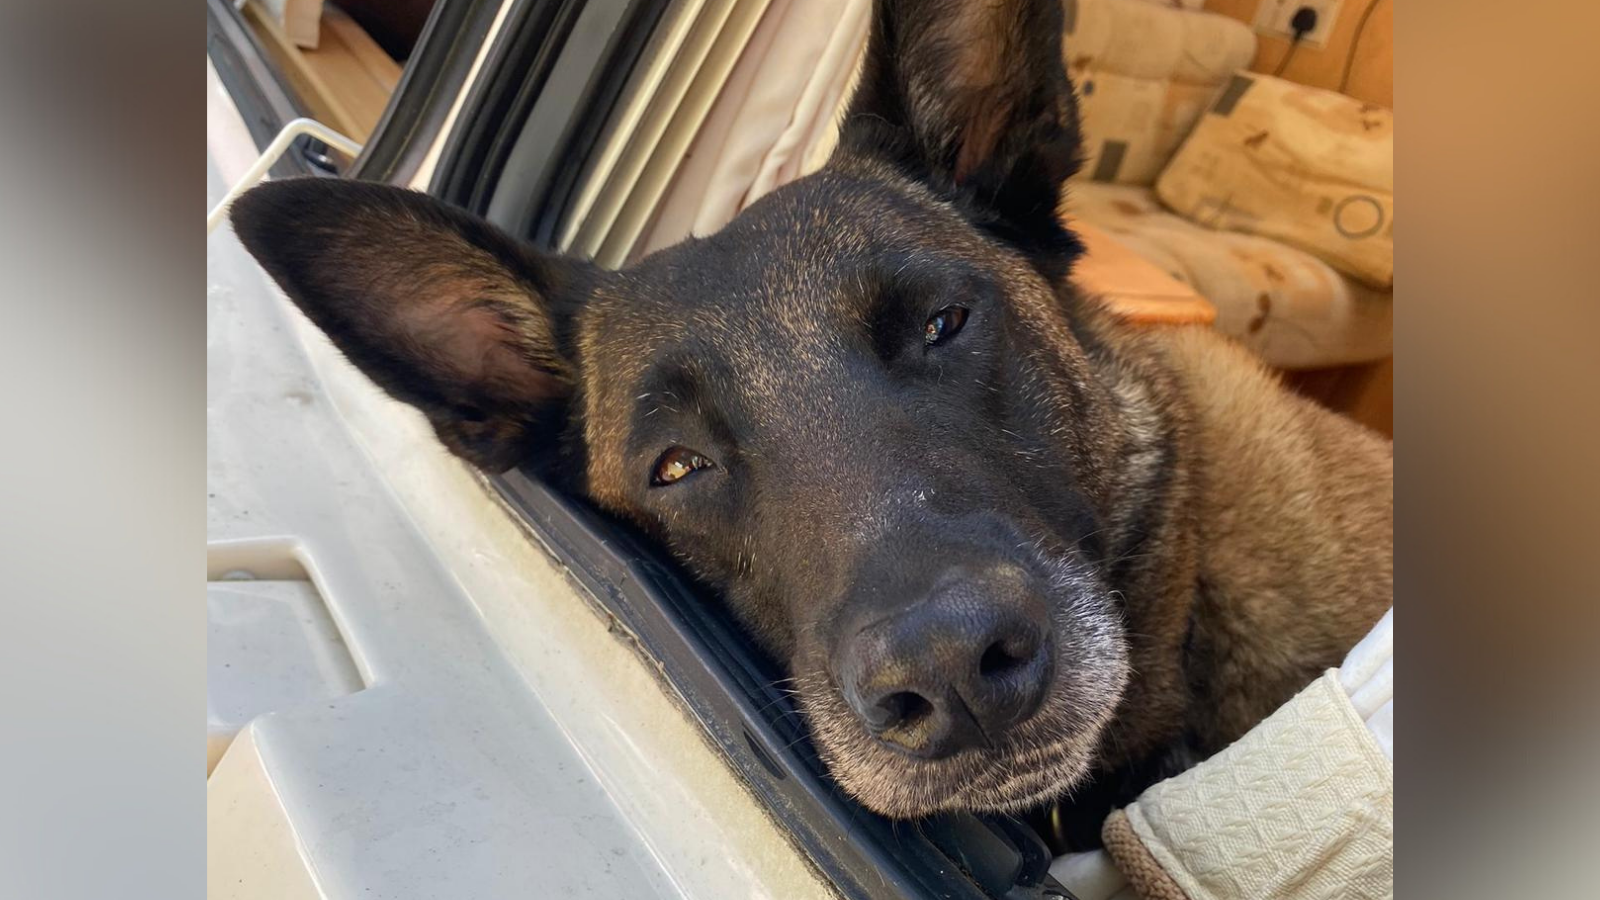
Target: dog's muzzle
(957, 669)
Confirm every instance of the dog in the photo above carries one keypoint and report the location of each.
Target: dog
(1006, 545)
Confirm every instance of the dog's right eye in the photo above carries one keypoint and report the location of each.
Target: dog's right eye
(676, 464)
(943, 325)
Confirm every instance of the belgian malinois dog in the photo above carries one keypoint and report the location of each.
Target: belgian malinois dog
(1004, 544)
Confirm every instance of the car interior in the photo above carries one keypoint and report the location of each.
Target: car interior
(613, 128)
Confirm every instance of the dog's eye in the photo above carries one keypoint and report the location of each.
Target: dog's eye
(943, 325)
(678, 463)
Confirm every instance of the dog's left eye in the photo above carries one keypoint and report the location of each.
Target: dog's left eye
(943, 325)
(676, 464)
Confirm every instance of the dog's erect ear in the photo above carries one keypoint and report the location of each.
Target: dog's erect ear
(972, 97)
(440, 308)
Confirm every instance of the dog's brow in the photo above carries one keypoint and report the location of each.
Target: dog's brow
(670, 385)
(670, 391)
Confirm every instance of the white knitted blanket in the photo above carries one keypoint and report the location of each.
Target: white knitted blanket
(1302, 807)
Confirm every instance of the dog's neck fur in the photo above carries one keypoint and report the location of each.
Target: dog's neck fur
(1152, 559)
(1227, 620)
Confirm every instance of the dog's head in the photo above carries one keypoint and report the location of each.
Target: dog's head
(859, 412)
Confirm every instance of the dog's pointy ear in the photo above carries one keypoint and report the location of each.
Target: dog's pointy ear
(972, 97)
(440, 308)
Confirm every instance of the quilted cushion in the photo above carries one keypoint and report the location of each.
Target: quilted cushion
(1290, 307)
(1309, 167)
(1145, 74)
(1300, 808)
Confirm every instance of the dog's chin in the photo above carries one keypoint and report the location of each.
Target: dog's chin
(969, 782)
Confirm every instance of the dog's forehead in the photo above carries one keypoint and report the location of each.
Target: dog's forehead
(788, 276)
(798, 245)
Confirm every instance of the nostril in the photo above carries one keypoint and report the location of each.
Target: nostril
(997, 661)
(904, 709)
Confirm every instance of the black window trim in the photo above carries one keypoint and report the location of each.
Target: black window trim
(429, 84)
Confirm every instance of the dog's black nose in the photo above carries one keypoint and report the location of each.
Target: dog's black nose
(955, 670)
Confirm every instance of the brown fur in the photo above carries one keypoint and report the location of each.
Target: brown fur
(1274, 552)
